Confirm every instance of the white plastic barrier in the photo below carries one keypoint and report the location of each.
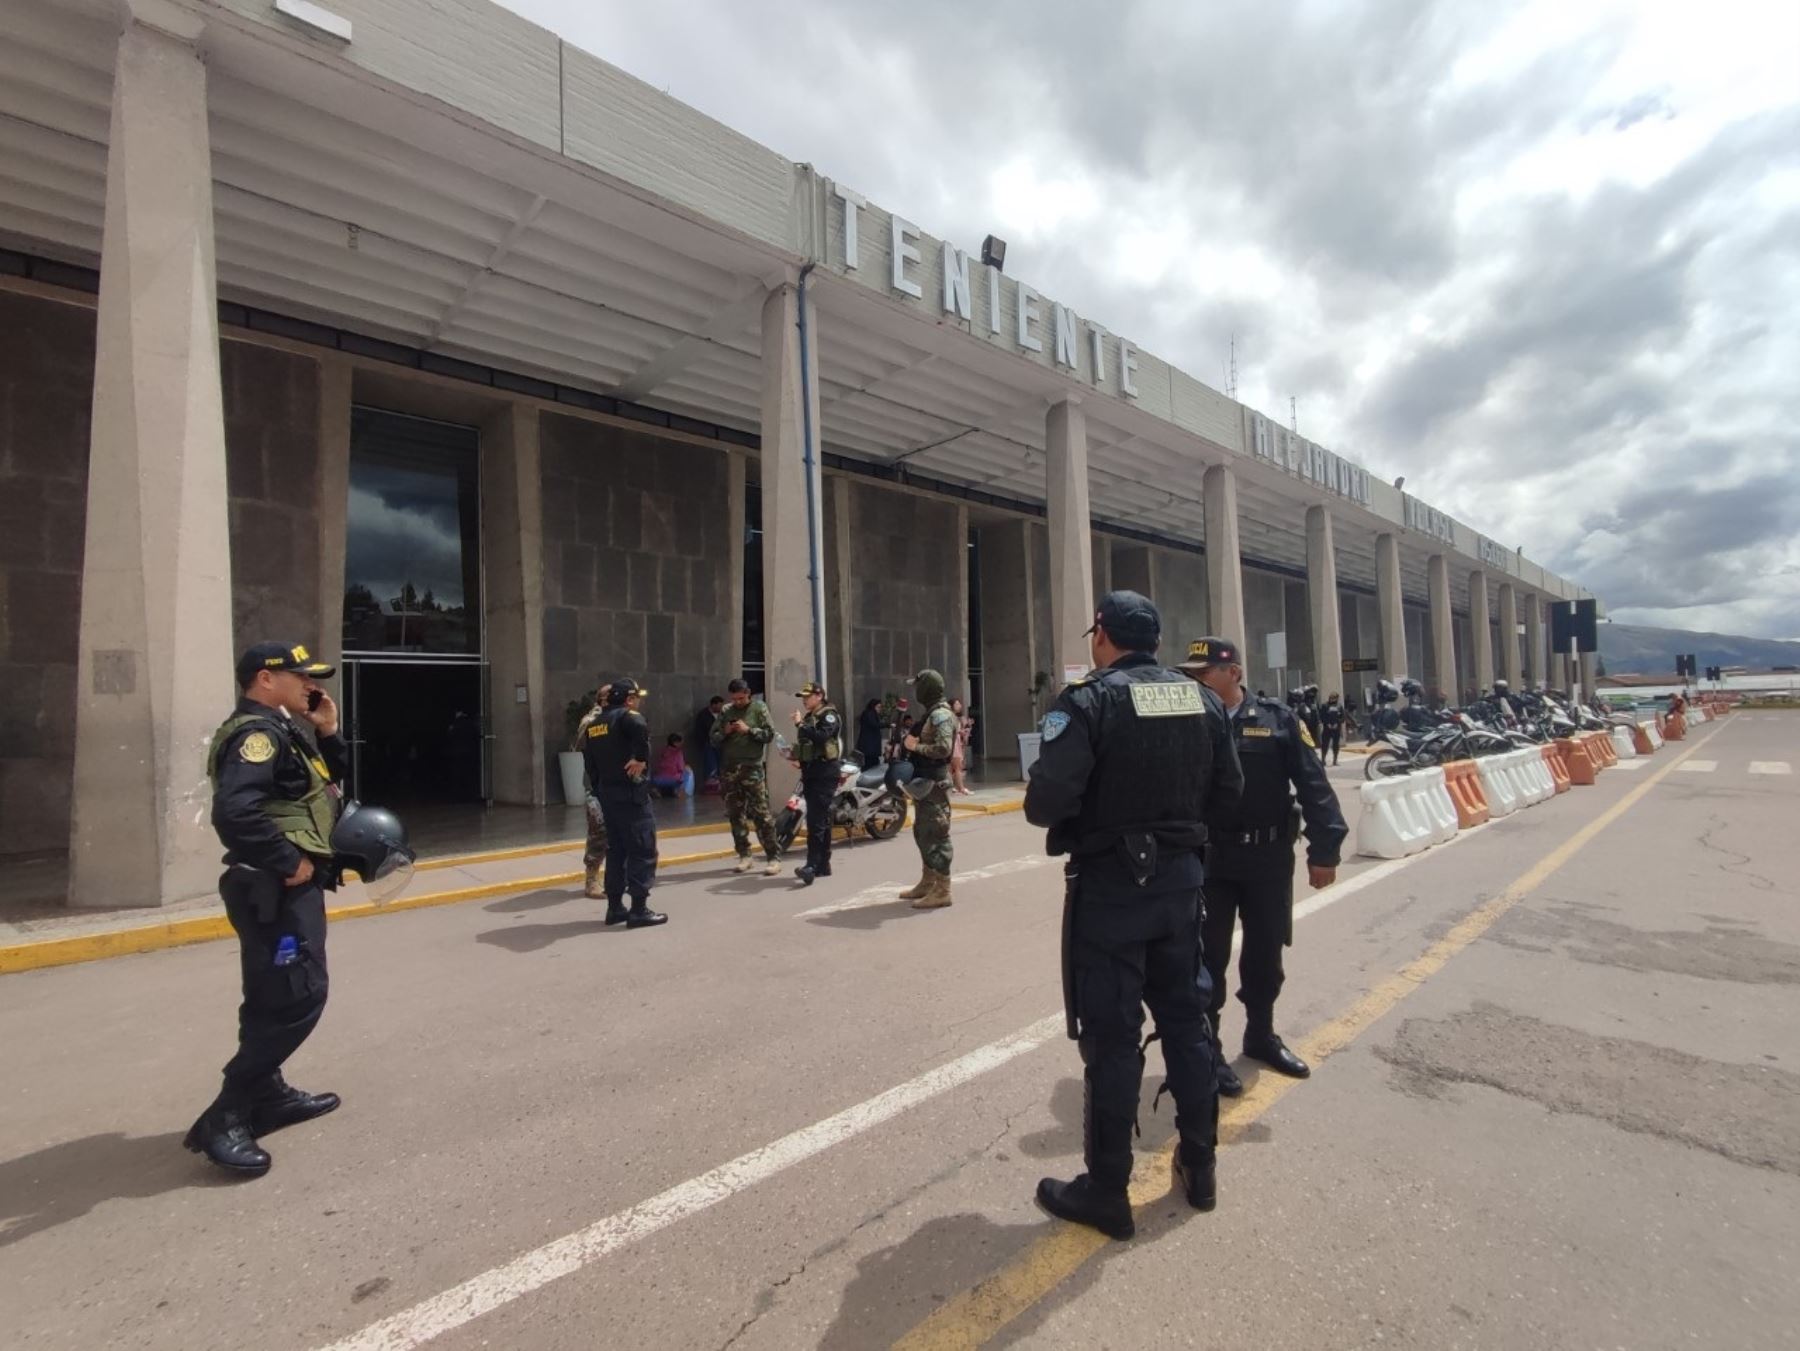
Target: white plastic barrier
(1502, 796)
(1623, 744)
(1696, 714)
(1536, 776)
(1429, 796)
(1656, 737)
(1388, 827)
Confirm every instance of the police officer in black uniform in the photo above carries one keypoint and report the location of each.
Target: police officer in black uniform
(1331, 729)
(1250, 854)
(616, 749)
(1135, 758)
(274, 806)
(820, 733)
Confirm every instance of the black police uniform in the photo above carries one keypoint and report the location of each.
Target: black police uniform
(1135, 757)
(820, 752)
(1250, 863)
(1331, 729)
(263, 769)
(618, 737)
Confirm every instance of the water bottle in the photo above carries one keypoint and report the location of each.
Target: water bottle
(287, 950)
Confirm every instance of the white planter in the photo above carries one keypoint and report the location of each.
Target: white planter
(574, 778)
(1030, 744)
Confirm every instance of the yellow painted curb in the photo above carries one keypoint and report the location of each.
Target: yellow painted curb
(92, 947)
(982, 809)
(554, 847)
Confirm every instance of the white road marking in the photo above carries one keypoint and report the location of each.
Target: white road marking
(561, 1257)
(889, 893)
(1629, 765)
(1770, 767)
(1697, 767)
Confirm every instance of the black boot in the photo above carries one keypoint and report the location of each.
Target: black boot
(1194, 1174)
(1261, 1043)
(1084, 1201)
(279, 1104)
(806, 874)
(1098, 1197)
(223, 1135)
(615, 911)
(1230, 1086)
(642, 916)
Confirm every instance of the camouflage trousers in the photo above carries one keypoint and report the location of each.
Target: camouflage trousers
(747, 804)
(931, 829)
(595, 854)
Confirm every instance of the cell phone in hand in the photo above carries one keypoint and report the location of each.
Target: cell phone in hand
(313, 699)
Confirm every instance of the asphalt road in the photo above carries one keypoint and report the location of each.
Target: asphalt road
(1557, 1103)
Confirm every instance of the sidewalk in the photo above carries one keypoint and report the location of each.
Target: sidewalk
(58, 937)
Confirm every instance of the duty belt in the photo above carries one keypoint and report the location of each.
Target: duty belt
(1267, 835)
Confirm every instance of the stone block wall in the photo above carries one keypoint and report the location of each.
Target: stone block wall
(46, 398)
(905, 571)
(272, 475)
(637, 572)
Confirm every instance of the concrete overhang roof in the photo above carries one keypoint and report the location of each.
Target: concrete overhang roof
(482, 191)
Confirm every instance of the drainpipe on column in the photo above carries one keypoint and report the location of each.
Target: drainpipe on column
(814, 525)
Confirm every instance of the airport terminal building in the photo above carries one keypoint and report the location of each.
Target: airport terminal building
(405, 330)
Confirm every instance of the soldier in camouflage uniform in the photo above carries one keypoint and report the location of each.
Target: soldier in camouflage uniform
(742, 733)
(930, 747)
(593, 858)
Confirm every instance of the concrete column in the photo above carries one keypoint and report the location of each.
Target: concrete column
(1224, 558)
(1509, 635)
(787, 592)
(737, 488)
(1480, 631)
(512, 527)
(840, 602)
(154, 676)
(1393, 613)
(1443, 629)
(1008, 634)
(1322, 599)
(958, 674)
(1537, 640)
(1071, 543)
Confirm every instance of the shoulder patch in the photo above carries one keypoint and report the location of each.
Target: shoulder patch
(1306, 733)
(257, 748)
(1056, 722)
(1166, 699)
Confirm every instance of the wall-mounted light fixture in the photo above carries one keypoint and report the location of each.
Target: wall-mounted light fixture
(993, 252)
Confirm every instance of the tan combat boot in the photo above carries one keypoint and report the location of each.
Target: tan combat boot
(938, 894)
(919, 889)
(592, 888)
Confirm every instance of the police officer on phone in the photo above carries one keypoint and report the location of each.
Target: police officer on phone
(819, 729)
(1135, 760)
(275, 804)
(616, 751)
(1250, 854)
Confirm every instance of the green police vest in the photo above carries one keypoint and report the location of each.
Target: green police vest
(833, 749)
(307, 823)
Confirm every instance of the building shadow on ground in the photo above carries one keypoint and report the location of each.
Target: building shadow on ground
(63, 1182)
(1063, 1140)
(524, 938)
(868, 917)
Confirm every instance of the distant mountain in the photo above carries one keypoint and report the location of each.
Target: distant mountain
(1634, 649)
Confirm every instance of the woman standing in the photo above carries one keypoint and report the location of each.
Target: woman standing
(959, 757)
(868, 734)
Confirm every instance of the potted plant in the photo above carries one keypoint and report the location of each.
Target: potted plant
(574, 770)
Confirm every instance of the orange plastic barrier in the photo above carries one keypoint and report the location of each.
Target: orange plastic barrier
(1609, 755)
(1674, 728)
(1464, 782)
(1558, 770)
(1575, 761)
(1640, 741)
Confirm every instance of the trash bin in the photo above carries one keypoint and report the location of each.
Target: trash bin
(1030, 743)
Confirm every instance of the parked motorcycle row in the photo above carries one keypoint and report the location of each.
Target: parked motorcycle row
(1417, 737)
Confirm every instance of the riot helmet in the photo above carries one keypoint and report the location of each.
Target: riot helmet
(928, 686)
(1312, 694)
(1501, 689)
(372, 841)
(1411, 688)
(1385, 692)
(1296, 697)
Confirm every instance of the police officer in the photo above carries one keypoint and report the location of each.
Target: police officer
(819, 730)
(274, 806)
(1250, 854)
(593, 857)
(1331, 729)
(617, 755)
(929, 746)
(1135, 758)
(1310, 715)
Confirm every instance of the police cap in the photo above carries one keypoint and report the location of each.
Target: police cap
(622, 689)
(279, 657)
(1205, 652)
(1130, 620)
(810, 687)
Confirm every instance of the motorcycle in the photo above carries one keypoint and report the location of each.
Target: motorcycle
(865, 799)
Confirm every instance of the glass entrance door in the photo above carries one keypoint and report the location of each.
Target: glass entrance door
(415, 674)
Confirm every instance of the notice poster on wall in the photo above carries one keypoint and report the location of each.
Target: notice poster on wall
(1073, 673)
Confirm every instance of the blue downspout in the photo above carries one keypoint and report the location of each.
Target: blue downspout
(816, 570)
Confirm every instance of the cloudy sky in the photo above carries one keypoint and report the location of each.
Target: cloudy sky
(1543, 259)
